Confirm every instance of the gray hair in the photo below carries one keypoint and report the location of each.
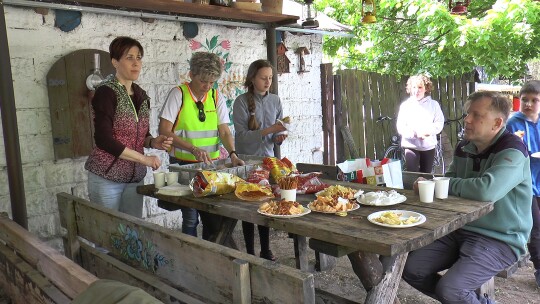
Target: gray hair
(499, 103)
(204, 64)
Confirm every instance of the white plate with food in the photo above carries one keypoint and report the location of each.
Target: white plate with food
(283, 209)
(340, 191)
(381, 198)
(304, 212)
(321, 210)
(397, 218)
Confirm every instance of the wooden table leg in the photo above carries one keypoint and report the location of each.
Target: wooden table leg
(224, 234)
(379, 277)
(300, 252)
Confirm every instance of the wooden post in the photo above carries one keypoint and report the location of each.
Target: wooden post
(300, 252)
(242, 284)
(340, 149)
(327, 99)
(68, 220)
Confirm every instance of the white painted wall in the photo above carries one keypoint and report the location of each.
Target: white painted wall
(35, 45)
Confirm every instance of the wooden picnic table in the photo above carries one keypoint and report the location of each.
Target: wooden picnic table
(377, 254)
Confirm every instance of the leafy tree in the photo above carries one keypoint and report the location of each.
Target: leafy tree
(413, 36)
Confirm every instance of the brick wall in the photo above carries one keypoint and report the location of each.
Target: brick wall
(35, 45)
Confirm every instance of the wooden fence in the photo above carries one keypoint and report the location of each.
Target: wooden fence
(365, 96)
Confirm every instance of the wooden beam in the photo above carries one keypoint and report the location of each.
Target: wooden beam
(64, 273)
(191, 9)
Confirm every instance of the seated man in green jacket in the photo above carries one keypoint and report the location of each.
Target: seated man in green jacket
(491, 164)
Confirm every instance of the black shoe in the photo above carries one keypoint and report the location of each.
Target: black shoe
(268, 255)
(537, 277)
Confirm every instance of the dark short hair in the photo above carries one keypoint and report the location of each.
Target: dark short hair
(121, 45)
(531, 87)
(499, 103)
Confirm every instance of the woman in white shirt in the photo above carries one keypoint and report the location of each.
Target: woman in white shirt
(419, 121)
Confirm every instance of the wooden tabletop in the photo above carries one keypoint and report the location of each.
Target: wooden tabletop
(353, 230)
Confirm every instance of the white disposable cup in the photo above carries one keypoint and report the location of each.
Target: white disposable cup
(159, 179)
(288, 195)
(172, 178)
(441, 187)
(426, 189)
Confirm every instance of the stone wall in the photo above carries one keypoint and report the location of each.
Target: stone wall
(35, 44)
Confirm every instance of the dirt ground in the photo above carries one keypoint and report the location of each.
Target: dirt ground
(520, 288)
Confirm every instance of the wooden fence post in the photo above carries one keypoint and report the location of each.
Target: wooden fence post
(68, 221)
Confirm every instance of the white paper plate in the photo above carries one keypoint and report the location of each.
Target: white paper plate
(381, 198)
(354, 207)
(404, 215)
(306, 211)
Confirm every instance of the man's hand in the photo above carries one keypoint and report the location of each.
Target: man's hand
(236, 161)
(202, 156)
(415, 185)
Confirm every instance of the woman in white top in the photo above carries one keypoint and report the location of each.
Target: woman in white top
(419, 121)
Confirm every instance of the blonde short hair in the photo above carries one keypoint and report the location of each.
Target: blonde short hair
(206, 65)
(416, 79)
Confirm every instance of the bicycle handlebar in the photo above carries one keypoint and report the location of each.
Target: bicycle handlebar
(383, 118)
(448, 121)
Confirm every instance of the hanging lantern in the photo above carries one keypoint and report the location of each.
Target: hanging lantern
(309, 14)
(460, 7)
(368, 11)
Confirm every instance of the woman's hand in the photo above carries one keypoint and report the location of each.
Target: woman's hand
(162, 142)
(278, 127)
(152, 161)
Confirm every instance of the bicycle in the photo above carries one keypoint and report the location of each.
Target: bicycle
(395, 150)
(439, 161)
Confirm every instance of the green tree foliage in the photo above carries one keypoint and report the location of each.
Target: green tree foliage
(413, 36)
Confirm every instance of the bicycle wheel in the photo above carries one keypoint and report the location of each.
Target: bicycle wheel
(395, 152)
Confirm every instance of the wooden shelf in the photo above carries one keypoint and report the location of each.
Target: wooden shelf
(195, 10)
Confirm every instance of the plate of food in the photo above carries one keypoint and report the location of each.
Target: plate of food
(397, 218)
(336, 191)
(328, 204)
(381, 198)
(283, 209)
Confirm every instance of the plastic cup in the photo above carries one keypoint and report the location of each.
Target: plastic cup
(159, 179)
(288, 195)
(426, 189)
(441, 187)
(172, 178)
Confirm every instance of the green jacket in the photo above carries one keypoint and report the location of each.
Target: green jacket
(500, 174)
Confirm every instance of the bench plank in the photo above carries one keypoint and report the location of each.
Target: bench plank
(107, 267)
(61, 271)
(23, 283)
(202, 267)
(242, 286)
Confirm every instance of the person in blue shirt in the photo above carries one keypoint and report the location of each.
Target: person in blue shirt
(525, 124)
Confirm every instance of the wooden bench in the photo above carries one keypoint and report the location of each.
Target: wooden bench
(171, 266)
(33, 272)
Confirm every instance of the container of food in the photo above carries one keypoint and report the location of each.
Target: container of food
(187, 172)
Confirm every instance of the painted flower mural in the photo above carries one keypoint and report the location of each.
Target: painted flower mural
(133, 247)
(215, 46)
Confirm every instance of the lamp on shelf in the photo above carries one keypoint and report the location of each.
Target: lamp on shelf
(310, 14)
(369, 11)
(459, 8)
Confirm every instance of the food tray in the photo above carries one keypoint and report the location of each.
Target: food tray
(187, 172)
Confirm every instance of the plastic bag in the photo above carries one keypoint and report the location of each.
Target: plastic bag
(207, 183)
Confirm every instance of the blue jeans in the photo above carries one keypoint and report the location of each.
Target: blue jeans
(471, 259)
(121, 197)
(190, 220)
